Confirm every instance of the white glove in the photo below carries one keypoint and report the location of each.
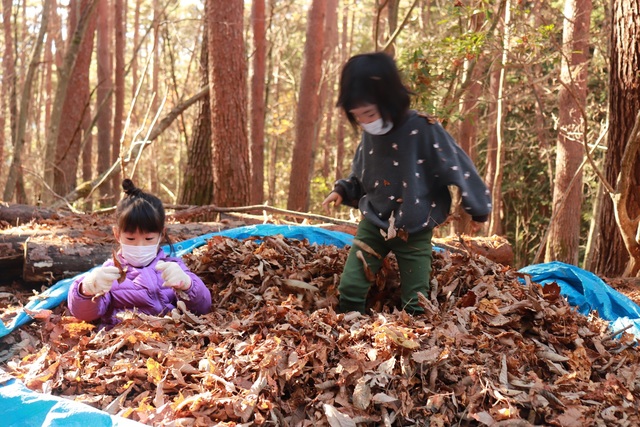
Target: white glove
(100, 280)
(173, 275)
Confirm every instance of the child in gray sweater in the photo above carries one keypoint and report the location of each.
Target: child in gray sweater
(399, 180)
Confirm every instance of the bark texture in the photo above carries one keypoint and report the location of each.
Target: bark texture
(228, 82)
(258, 100)
(307, 112)
(75, 107)
(564, 237)
(197, 187)
(610, 255)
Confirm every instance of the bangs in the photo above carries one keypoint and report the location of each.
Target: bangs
(361, 91)
(141, 215)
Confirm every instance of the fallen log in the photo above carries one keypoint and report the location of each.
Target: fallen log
(46, 256)
(48, 260)
(16, 214)
(66, 245)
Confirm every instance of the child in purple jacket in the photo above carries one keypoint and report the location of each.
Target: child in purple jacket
(141, 276)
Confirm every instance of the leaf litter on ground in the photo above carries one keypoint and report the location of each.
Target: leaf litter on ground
(492, 348)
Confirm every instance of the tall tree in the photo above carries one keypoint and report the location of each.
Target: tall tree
(228, 83)
(307, 110)
(8, 84)
(258, 100)
(63, 81)
(328, 82)
(197, 186)
(495, 224)
(564, 236)
(392, 7)
(339, 173)
(75, 106)
(25, 104)
(158, 12)
(136, 42)
(610, 255)
(104, 100)
(118, 72)
(475, 70)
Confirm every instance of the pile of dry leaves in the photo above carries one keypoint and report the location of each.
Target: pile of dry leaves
(492, 349)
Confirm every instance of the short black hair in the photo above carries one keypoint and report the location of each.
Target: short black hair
(139, 211)
(373, 78)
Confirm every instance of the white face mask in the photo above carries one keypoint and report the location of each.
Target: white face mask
(139, 256)
(377, 127)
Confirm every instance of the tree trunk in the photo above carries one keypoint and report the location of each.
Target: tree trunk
(104, 100)
(197, 186)
(87, 151)
(136, 42)
(64, 77)
(258, 100)
(158, 13)
(8, 88)
(328, 83)
(470, 118)
(119, 72)
(228, 82)
(626, 200)
(495, 224)
(75, 106)
(307, 111)
(55, 27)
(610, 255)
(392, 19)
(25, 103)
(564, 236)
(340, 150)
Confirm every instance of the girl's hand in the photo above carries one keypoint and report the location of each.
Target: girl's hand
(99, 280)
(334, 198)
(173, 276)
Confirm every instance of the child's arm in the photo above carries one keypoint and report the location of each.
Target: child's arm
(351, 189)
(179, 277)
(456, 168)
(87, 307)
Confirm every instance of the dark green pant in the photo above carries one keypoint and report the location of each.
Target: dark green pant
(414, 262)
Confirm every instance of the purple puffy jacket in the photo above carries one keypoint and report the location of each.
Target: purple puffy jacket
(143, 290)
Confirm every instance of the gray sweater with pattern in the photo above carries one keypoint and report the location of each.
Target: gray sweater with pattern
(407, 172)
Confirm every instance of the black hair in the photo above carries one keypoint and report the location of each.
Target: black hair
(139, 211)
(373, 78)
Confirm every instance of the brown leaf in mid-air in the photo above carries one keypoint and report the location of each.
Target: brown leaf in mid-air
(118, 264)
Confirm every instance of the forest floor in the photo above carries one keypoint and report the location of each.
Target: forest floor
(487, 351)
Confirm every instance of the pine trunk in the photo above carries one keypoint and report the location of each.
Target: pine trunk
(119, 72)
(228, 82)
(258, 21)
(564, 236)
(307, 111)
(610, 255)
(104, 100)
(75, 107)
(197, 186)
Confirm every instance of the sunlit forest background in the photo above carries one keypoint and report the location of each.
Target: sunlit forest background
(445, 49)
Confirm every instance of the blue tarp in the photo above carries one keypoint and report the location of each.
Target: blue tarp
(22, 407)
(587, 292)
